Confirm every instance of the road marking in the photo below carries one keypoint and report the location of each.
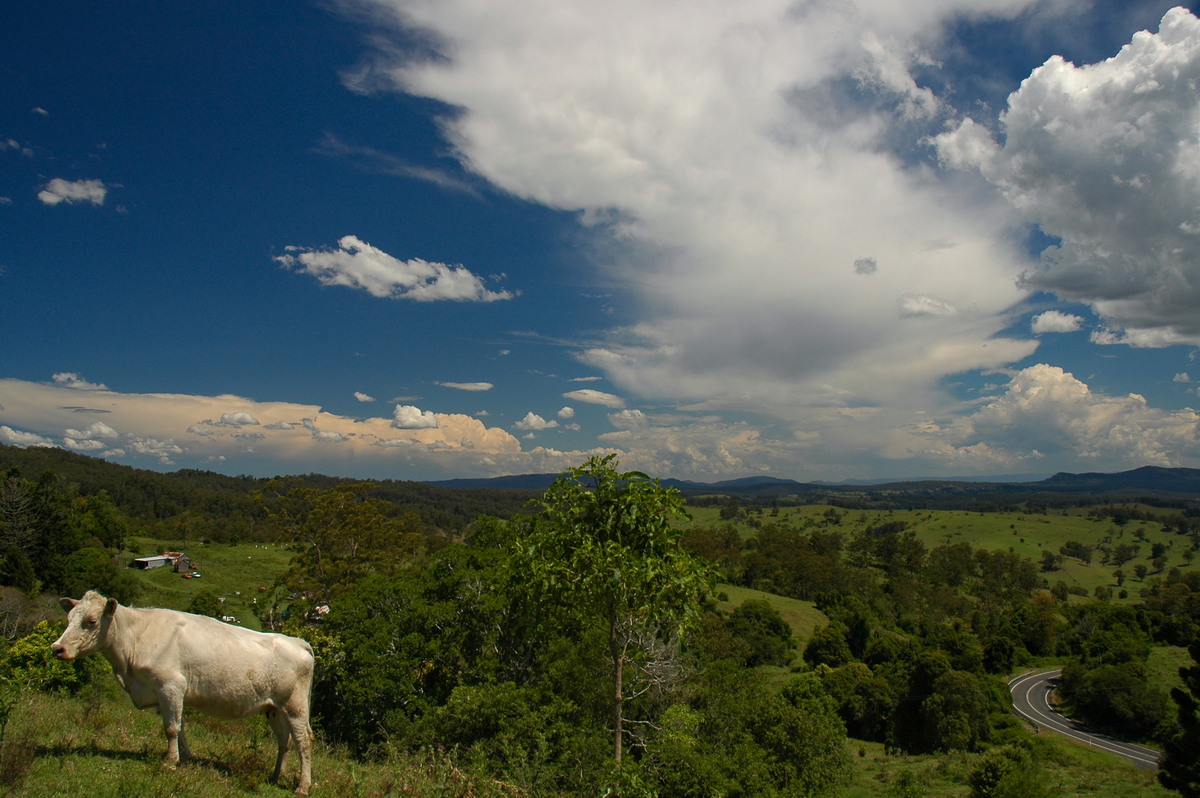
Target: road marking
(1032, 684)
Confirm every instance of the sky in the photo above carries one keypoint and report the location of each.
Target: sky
(429, 239)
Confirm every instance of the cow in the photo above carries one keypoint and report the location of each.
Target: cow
(167, 660)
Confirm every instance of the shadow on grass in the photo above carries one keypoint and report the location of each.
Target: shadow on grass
(141, 755)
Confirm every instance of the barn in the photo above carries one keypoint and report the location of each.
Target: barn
(157, 561)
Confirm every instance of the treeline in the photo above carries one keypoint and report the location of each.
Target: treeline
(205, 505)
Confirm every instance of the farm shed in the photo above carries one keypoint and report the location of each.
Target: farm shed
(156, 561)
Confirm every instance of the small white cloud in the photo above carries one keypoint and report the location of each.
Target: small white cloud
(23, 440)
(280, 425)
(594, 397)
(410, 417)
(69, 379)
(97, 431)
(533, 423)
(1054, 321)
(200, 429)
(357, 264)
(237, 420)
(39, 111)
(566, 412)
(585, 379)
(363, 397)
(163, 450)
(71, 192)
(467, 386)
(1182, 377)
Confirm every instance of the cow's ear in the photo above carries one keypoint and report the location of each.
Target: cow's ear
(110, 606)
(67, 604)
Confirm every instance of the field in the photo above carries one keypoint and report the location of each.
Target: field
(239, 574)
(1026, 534)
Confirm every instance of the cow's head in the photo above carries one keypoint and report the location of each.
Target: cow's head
(87, 625)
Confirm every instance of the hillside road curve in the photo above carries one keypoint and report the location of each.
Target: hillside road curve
(1031, 701)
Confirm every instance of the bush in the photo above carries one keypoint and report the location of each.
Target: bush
(1010, 771)
(28, 662)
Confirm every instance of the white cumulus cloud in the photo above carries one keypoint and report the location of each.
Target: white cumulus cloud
(534, 423)
(1105, 157)
(1055, 321)
(357, 264)
(69, 379)
(73, 191)
(410, 417)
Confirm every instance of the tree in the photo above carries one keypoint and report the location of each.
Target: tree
(605, 547)
(342, 535)
(206, 602)
(1179, 769)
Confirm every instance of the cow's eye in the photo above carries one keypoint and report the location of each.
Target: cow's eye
(89, 622)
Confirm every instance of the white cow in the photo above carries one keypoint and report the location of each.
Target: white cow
(168, 660)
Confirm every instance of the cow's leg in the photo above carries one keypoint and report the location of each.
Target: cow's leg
(279, 724)
(170, 704)
(295, 727)
(302, 733)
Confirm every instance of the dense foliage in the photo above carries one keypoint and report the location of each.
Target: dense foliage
(539, 648)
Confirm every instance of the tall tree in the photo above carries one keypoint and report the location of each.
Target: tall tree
(604, 545)
(1179, 769)
(341, 535)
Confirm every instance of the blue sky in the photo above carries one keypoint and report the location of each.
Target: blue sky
(442, 238)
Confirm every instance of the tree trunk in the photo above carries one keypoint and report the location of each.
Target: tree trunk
(618, 663)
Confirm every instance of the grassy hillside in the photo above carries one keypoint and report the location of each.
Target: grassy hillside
(235, 573)
(98, 745)
(1026, 534)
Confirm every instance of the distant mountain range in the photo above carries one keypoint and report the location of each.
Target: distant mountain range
(1148, 482)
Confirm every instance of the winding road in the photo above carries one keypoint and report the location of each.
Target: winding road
(1031, 701)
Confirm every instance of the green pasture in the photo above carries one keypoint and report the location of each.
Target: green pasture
(802, 616)
(1026, 534)
(235, 573)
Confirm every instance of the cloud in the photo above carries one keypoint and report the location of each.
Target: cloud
(534, 423)
(356, 264)
(410, 417)
(68, 379)
(160, 429)
(1047, 409)
(566, 412)
(743, 159)
(72, 192)
(238, 419)
(1055, 321)
(23, 440)
(1105, 157)
(593, 397)
(467, 386)
(363, 397)
(1182, 377)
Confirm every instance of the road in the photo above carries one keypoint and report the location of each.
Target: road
(1031, 701)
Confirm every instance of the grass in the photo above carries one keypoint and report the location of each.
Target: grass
(1071, 771)
(96, 744)
(235, 573)
(802, 616)
(1026, 534)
